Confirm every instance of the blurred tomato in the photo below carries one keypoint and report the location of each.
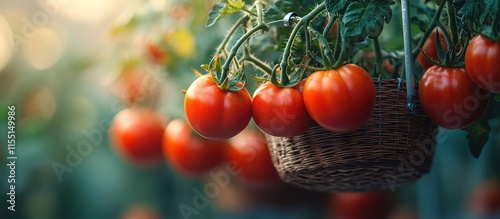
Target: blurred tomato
(188, 153)
(156, 53)
(485, 198)
(249, 151)
(136, 134)
(141, 212)
(360, 205)
(138, 86)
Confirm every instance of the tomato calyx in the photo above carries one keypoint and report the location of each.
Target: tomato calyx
(448, 58)
(234, 81)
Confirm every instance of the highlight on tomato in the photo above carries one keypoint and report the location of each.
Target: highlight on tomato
(280, 111)
(250, 153)
(450, 98)
(340, 100)
(136, 134)
(482, 58)
(215, 113)
(188, 153)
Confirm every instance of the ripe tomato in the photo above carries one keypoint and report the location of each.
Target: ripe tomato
(485, 199)
(280, 111)
(361, 205)
(188, 153)
(138, 87)
(450, 98)
(481, 60)
(340, 100)
(157, 54)
(214, 113)
(136, 134)
(250, 153)
(430, 49)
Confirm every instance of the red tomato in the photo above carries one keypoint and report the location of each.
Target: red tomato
(136, 134)
(430, 49)
(214, 113)
(340, 100)
(188, 153)
(485, 198)
(157, 54)
(280, 111)
(482, 58)
(450, 98)
(250, 153)
(361, 205)
(137, 87)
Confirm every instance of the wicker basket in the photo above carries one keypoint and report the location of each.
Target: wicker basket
(393, 148)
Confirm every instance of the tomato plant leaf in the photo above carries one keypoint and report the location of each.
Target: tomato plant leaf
(362, 20)
(478, 135)
(225, 8)
(334, 6)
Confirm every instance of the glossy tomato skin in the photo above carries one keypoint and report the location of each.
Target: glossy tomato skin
(450, 98)
(340, 100)
(280, 111)
(430, 49)
(137, 134)
(190, 154)
(361, 205)
(482, 59)
(214, 113)
(250, 153)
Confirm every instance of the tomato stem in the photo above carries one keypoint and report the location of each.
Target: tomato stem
(261, 65)
(234, 50)
(233, 29)
(428, 31)
(452, 22)
(378, 57)
(329, 25)
(303, 21)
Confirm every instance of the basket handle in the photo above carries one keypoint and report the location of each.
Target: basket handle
(410, 89)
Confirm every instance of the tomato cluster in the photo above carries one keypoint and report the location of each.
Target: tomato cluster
(340, 100)
(456, 97)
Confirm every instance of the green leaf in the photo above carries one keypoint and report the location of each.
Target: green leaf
(334, 6)
(478, 135)
(223, 9)
(362, 20)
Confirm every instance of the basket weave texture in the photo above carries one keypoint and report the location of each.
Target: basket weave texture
(393, 148)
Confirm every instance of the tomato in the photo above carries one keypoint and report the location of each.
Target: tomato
(137, 87)
(157, 54)
(214, 113)
(485, 199)
(481, 61)
(360, 205)
(368, 62)
(280, 111)
(249, 151)
(450, 98)
(188, 153)
(340, 100)
(137, 135)
(430, 49)
(141, 212)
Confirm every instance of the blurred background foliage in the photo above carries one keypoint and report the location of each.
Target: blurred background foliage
(63, 63)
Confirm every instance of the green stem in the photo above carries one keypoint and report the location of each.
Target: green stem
(233, 29)
(452, 21)
(338, 43)
(428, 31)
(329, 25)
(378, 56)
(234, 50)
(343, 55)
(303, 21)
(261, 65)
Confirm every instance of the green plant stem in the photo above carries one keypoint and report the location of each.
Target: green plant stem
(343, 55)
(452, 21)
(338, 43)
(261, 65)
(234, 50)
(378, 56)
(428, 31)
(303, 21)
(233, 29)
(329, 25)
